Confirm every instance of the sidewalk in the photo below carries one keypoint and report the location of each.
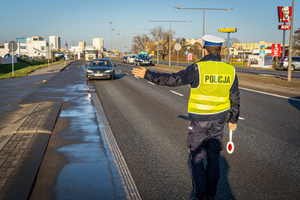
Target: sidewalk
(55, 110)
(24, 131)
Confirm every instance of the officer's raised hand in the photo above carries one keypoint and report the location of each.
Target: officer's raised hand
(139, 72)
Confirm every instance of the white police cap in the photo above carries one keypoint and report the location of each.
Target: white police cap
(211, 40)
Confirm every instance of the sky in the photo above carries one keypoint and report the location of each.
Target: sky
(75, 21)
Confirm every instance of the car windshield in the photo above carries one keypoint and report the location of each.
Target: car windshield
(90, 51)
(143, 56)
(99, 63)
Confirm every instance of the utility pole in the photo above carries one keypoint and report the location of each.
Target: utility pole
(291, 45)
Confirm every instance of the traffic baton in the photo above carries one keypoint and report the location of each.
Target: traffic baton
(230, 145)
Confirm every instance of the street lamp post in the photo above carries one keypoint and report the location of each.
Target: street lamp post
(169, 36)
(203, 18)
(118, 49)
(110, 36)
(113, 40)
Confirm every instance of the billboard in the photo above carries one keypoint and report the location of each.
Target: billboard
(190, 57)
(276, 49)
(284, 27)
(228, 30)
(284, 14)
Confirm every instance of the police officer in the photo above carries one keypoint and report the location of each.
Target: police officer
(214, 96)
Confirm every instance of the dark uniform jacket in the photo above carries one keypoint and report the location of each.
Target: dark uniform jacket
(191, 76)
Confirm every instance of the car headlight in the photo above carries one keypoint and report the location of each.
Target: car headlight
(108, 71)
(89, 71)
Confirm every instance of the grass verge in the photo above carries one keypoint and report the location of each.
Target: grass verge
(22, 68)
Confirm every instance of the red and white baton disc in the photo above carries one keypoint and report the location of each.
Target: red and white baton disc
(230, 145)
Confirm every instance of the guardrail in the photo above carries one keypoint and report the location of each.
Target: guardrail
(7, 60)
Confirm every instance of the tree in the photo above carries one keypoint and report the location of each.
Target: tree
(162, 38)
(296, 42)
(231, 41)
(139, 43)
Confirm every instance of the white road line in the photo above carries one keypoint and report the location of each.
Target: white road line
(177, 93)
(151, 83)
(270, 94)
(241, 118)
(120, 70)
(126, 73)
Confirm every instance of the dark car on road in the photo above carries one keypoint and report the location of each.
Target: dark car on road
(124, 59)
(142, 59)
(100, 68)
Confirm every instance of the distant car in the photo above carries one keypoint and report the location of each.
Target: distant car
(68, 57)
(130, 59)
(284, 63)
(124, 59)
(142, 59)
(100, 68)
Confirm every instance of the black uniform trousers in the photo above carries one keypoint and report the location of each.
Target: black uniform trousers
(205, 138)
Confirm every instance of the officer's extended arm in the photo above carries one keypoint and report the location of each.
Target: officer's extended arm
(139, 72)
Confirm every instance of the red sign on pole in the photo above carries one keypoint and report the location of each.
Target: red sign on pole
(284, 14)
(276, 50)
(284, 27)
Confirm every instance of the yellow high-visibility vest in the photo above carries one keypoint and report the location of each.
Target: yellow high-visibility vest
(212, 94)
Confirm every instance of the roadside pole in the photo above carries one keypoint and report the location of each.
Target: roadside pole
(12, 46)
(12, 70)
(291, 45)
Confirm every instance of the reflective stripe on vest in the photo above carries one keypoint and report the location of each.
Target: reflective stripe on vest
(212, 94)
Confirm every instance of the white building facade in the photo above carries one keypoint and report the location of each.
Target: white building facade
(98, 43)
(27, 46)
(54, 42)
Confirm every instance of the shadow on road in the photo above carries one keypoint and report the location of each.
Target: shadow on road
(224, 190)
(183, 117)
(294, 103)
(119, 76)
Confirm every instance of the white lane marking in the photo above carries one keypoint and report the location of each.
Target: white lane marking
(241, 118)
(126, 73)
(275, 95)
(120, 70)
(151, 83)
(177, 93)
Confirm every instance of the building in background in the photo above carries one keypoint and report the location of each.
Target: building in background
(33, 47)
(82, 44)
(22, 46)
(98, 43)
(54, 42)
(37, 38)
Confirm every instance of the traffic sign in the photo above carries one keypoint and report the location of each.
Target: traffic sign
(177, 47)
(12, 46)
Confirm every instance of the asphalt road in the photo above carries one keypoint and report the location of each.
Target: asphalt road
(150, 125)
(256, 71)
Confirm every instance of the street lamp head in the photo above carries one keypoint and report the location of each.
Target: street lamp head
(229, 9)
(110, 22)
(178, 7)
(188, 20)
